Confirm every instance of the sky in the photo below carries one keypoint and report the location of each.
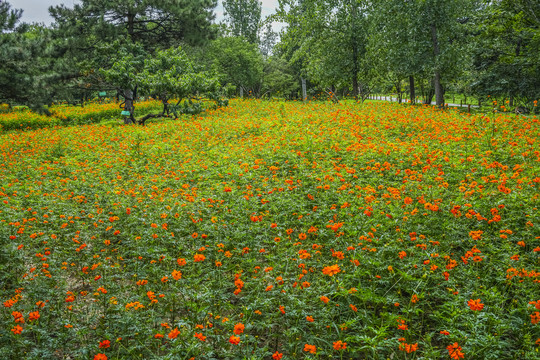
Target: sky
(37, 10)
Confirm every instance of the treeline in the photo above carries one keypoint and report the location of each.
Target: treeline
(418, 49)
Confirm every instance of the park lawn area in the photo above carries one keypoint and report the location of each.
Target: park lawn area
(269, 229)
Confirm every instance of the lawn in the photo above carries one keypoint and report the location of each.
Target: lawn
(273, 230)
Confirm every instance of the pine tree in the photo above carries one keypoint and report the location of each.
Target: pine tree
(95, 30)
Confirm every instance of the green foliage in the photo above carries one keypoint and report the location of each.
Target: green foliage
(244, 18)
(168, 74)
(279, 79)
(171, 74)
(154, 24)
(62, 115)
(237, 62)
(328, 39)
(28, 73)
(8, 17)
(128, 61)
(506, 56)
(376, 225)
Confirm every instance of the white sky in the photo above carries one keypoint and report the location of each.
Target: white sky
(37, 10)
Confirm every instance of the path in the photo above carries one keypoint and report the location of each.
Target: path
(393, 99)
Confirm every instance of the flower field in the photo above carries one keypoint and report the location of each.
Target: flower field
(271, 230)
(68, 115)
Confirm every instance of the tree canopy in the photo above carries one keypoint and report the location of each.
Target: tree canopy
(425, 48)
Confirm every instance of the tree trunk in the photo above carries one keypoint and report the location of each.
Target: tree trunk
(304, 90)
(128, 106)
(427, 95)
(131, 26)
(439, 95)
(165, 103)
(412, 90)
(355, 71)
(355, 50)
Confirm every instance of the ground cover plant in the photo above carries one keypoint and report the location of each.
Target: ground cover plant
(271, 230)
(62, 115)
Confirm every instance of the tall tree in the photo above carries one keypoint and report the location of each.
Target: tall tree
(507, 52)
(28, 73)
(422, 38)
(166, 75)
(150, 25)
(244, 18)
(330, 35)
(153, 23)
(268, 40)
(394, 46)
(8, 16)
(239, 62)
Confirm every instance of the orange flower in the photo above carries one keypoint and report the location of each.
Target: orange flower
(536, 304)
(475, 305)
(476, 235)
(324, 299)
(200, 336)
(18, 317)
(455, 351)
(353, 308)
(277, 356)
(310, 348)
(409, 348)
(302, 236)
(235, 340)
(238, 328)
(331, 270)
(177, 275)
(535, 318)
(104, 344)
(199, 257)
(339, 345)
(309, 318)
(402, 325)
(34, 315)
(100, 357)
(17, 329)
(174, 333)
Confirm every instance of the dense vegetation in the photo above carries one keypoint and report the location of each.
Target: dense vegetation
(421, 50)
(375, 231)
(262, 228)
